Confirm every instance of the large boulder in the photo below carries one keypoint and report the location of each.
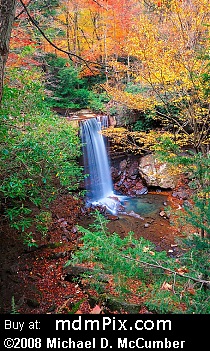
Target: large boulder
(155, 173)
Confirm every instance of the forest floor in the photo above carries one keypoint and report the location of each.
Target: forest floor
(35, 280)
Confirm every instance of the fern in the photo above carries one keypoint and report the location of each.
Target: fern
(13, 306)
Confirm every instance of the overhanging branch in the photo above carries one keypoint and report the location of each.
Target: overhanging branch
(70, 54)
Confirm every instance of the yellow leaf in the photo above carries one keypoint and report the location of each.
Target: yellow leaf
(166, 286)
(145, 249)
(182, 270)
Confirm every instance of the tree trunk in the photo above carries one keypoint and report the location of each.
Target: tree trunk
(7, 14)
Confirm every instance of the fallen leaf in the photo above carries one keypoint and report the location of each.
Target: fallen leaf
(166, 286)
(191, 291)
(182, 270)
(96, 310)
(152, 253)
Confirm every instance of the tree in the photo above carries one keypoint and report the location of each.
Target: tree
(7, 14)
(169, 44)
(66, 89)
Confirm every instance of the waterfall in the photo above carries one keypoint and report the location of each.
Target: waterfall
(98, 182)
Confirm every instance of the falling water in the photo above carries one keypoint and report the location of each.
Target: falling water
(98, 182)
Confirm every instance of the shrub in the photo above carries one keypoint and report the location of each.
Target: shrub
(196, 166)
(39, 153)
(167, 285)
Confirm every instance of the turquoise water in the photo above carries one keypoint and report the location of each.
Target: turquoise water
(145, 205)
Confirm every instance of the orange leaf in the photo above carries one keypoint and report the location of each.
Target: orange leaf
(182, 270)
(152, 253)
(191, 291)
(96, 310)
(79, 312)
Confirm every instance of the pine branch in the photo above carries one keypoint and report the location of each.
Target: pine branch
(202, 281)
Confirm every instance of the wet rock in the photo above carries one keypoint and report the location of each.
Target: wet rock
(133, 170)
(180, 194)
(127, 179)
(126, 184)
(112, 121)
(115, 174)
(122, 179)
(133, 177)
(112, 217)
(137, 189)
(164, 214)
(135, 215)
(143, 191)
(123, 165)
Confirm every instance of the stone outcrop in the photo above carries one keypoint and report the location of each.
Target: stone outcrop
(156, 174)
(126, 178)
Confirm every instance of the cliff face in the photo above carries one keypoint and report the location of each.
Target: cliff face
(127, 179)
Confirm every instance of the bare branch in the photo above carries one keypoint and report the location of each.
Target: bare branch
(22, 11)
(201, 281)
(70, 54)
(100, 5)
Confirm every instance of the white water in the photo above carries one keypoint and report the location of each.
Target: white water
(99, 182)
